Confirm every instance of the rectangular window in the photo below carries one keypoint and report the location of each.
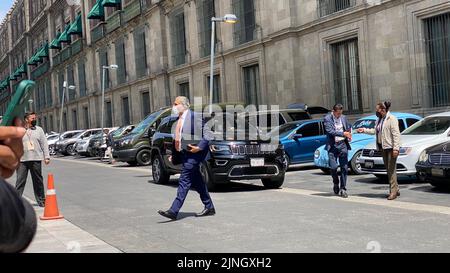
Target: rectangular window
(51, 123)
(86, 117)
(216, 88)
(109, 117)
(61, 86)
(65, 121)
(81, 78)
(103, 58)
(70, 81)
(205, 11)
(244, 29)
(251, 84)
(145, 104)
(48, 90)
(437, 40)
(327, 7)
(125, 111)
(121, 62)
(74, 119)
(346, 75)
(178, 37)
(183, 89)
(140, 53)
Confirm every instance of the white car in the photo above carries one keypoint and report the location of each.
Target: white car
(426, 133)
(51, 140)
(82, 144)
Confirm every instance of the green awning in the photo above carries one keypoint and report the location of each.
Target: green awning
(12, 78)
(33, 60)
(43, 52)
(111, 3)
(76, 28)
(22, 69)
(97, 12)
(55, 44)
(65, 38)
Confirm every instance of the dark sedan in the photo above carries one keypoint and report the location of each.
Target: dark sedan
(434, 165)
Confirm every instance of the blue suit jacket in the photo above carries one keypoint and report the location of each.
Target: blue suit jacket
(332, 133)
(194, 132)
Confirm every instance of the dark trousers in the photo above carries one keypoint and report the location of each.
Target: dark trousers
(191, 176)
(339, 152)
(35, 167)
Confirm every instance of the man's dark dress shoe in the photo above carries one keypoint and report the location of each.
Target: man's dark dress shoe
(207, 212)
(168, 214)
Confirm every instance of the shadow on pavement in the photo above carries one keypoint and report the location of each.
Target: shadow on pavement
(301, 168)
(373, 195)
(225, 188)
(431, 189)
(181, 216)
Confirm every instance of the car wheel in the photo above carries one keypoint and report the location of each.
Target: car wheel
(273, 183)
(325, 170)
(70, 150)
(354, 165)
(160, 175)
(208, 179)
(143, 158)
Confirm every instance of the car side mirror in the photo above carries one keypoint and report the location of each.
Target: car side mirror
(296, 136)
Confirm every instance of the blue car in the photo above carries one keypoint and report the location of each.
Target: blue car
(300, 139)
(359, 141)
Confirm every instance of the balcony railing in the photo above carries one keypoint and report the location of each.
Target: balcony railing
(77, 46)
(66, 53)
(39, 71)
(98, 32)
(327, 7)
(56, 59)
(114, 22)
(132, 10)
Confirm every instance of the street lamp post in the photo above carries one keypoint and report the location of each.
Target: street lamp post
(230, 19)
(104, 68)
(71, 87)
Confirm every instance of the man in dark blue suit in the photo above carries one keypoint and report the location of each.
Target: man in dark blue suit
(339, 133)
(191, 148)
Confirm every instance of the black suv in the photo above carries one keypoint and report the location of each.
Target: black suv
(229, 159)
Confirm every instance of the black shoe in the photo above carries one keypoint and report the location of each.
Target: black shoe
(206, 212)
(168, 214)
(336, 189)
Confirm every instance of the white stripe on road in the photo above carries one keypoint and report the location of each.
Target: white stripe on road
(103, 165)
(372, 201)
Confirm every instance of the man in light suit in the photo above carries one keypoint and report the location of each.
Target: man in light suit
(339, 133)
(191, 148)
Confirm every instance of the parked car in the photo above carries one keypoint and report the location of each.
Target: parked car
(66, 147)
(51, 140)
(300, 139)
(434, 165)
(82, 145)
(230, 159)
(64, 137)
(95, 147)
(359, 141)
(426, 133)
(134, 148)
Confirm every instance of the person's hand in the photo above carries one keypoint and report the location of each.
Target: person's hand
(395, 153)
(194, 149)
(47, 161)
(348, 135)
(11, 149)
(360, 130)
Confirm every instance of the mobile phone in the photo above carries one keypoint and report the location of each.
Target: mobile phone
(16, 107)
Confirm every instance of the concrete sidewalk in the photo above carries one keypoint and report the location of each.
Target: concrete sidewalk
(61, 236)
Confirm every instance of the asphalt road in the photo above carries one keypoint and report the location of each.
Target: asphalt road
(119, 205)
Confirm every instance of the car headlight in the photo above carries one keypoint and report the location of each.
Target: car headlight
(405, 150)
(423, 157)
(219, 148)
(317, 154)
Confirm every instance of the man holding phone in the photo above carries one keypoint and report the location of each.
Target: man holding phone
(35, 151)
(191, 147)
(339, 133)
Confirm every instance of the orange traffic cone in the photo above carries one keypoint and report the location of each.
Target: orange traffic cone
(51, 211)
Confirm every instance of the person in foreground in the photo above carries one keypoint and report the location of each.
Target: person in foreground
(190, 148)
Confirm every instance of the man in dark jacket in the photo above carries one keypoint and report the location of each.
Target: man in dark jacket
(339, 133)
(17, 217)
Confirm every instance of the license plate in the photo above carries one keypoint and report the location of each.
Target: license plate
(257, 162)
(369, 164)
(437, 172)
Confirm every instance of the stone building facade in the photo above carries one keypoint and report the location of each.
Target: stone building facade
(356, 52)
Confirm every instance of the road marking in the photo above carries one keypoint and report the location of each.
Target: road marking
(371, 201)
(103, 165)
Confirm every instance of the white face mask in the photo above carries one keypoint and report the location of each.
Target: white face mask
(177, 110)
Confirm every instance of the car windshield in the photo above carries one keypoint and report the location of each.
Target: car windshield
(142, 126)
(53, 137)
(71, 135)
(364, 123)
(283, 130)
(429, 126)
(232, 126)
(119, 131)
